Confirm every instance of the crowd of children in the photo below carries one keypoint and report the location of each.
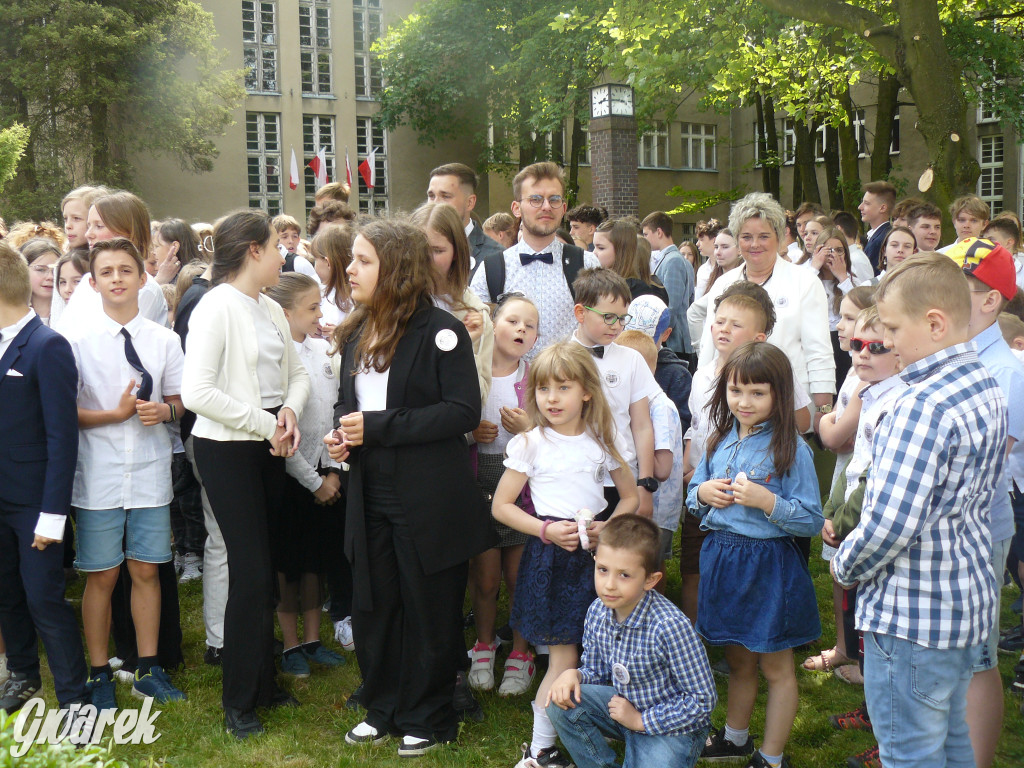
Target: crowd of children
(448, 418)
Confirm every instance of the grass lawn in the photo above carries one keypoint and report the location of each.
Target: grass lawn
(312, 735)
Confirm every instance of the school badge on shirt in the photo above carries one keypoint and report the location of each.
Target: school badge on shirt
(620, 673)
(446, 340)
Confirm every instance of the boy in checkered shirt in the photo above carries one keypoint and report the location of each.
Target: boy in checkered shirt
(644, 676)
(922, 551)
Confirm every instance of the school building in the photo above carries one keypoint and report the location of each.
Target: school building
(312, 82)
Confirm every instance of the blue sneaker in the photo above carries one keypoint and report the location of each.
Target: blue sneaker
(101, 692)
(156, 685)
(294, 663)
(322, 655)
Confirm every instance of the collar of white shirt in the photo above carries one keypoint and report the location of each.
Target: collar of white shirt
(7, 334)
(111, 326)
(469, 228)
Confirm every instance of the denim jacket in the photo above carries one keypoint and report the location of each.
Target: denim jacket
(797, 510)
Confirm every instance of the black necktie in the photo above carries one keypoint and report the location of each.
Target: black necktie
(146, 387)
(527, 258)
(597, 351)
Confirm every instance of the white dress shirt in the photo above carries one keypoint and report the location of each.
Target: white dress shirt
(123, 465)
(318, 416)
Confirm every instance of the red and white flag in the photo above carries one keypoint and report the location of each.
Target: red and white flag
(293, 176)
(368, 170)
(348, 170)
(319, 167)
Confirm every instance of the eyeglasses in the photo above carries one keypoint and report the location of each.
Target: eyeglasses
(536, 201)
(834, 252)
(503, 297)
(874, 347)
(610, 318)
(40, 269)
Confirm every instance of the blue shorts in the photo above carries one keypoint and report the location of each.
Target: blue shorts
(988, 660)
(107, 537)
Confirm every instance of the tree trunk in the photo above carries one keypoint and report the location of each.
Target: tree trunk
(576, 147)
(849, 156)
(762, 144)
(772, 142)
(804, 133)
(885, 121)
(833, 177)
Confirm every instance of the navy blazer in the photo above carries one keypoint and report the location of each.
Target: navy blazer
(480, 246)
(873, 247)
(38, 422)
(433, 400)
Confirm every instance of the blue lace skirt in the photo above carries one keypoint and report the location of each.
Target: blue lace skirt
(756, 593)
(553, 592)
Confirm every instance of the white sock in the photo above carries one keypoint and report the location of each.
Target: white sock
(773, 760)
(543, 730)
(739, 738)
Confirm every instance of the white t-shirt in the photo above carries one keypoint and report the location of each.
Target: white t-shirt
(271, 350)
(567, 473)
(372, 390)
(502, 395)
(703, 275)
(668, 436)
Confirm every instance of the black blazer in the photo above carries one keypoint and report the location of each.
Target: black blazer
(38, 422)
(873, 247)
(480, 245)
(433, 400)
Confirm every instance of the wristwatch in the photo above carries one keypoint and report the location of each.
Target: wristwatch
(823, 409)
(649, 484)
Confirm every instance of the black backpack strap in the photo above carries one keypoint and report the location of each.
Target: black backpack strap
(494, 269)
(572, 263)
(289, 263)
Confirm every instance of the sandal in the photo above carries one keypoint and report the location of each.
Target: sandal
(849, 674)
(826, 661)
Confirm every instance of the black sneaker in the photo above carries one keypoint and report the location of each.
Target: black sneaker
(717, 748)
(212, 656)
(1018, 677)
(854, 720)
(867, 759)
(414, 746)
(364, 733)
(757, 761)
(466, 705)
(1012, 640)
(18, 689)
(552, 757)
(352, 702)
(241, 724)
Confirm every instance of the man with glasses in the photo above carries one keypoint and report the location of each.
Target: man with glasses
(538, 264)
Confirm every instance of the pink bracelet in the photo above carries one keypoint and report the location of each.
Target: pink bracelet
(543, 530)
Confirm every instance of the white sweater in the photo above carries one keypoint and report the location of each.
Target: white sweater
(220, 384)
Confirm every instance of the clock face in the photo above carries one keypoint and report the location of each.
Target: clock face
(599, 102)
(621, 100)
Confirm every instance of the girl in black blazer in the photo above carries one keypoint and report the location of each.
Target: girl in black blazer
(408, 395)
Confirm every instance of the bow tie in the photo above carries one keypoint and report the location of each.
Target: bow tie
(527, 258)
(597, 351)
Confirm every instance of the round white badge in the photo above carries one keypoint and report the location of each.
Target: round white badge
(782, 301)
(446, 340)
(620, 673)
(328, 371)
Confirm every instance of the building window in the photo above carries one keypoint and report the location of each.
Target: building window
(367, 23)
(263, 159)
(860, 132)
(990, 183)
(317, 134)
(653, 149)
(700, 152)
(371, 137)
(315, 47)
(259, 45)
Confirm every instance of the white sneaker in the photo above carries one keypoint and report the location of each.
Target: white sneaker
(364, 733)
(481, 669)
(115, 662)
(5, 673)
(343, 633)
(519, 673)
(528, 760)
(191, 567)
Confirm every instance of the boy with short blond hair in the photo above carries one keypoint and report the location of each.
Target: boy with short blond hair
(970, 216)
(644, 676)
(921, 553)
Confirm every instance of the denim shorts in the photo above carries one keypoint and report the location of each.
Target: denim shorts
(107, 537)
(989, 650)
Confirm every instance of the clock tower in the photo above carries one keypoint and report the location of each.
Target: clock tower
(613, 149)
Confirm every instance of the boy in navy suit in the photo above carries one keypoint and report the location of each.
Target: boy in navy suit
(38, 451)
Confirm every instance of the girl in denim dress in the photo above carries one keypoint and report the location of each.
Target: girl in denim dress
(755, 490)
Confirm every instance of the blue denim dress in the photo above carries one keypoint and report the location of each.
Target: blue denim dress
(755, 587)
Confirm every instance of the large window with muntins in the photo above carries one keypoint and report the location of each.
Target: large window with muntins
(259, 45)
(367, 24)
(315, 47)
(263, 160)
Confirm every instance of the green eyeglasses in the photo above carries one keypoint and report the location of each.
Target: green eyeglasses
(610, 318)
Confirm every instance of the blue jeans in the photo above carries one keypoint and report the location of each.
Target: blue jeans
(917, 700)
(582, 731)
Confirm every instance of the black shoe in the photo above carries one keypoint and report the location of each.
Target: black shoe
(414, 746)
(717, 747)
(18, 690)
(1018, 677)
(352, 702)
(1012, 640)
(212, 656)
(757, 761)
(867, 759)
(281, 698)
(466, 705)
(241, 724)
(552, 757)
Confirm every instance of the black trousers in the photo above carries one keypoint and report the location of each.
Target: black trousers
(410, 645)
(32, 601)
(245, 486)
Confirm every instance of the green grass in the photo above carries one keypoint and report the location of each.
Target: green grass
(312, 735)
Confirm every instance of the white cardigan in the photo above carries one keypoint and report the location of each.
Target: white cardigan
(219, 383)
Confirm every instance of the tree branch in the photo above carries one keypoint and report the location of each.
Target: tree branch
(866, 24)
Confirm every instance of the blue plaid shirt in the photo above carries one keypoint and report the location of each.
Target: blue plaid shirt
(923, 548)
(669, 681)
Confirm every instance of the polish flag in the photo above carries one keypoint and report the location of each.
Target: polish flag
(368, 170)
(319, 166)
(293, 176)
(348, 170)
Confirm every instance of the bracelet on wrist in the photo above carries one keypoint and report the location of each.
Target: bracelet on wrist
(543, 532)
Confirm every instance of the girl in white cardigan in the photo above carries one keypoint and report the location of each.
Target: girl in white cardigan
(247, 386)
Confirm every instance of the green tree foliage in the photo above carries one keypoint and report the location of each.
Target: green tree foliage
(13, 141)
(98, 81)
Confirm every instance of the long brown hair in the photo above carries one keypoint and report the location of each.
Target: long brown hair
(622, 234)
(569, 361)
(445, 220)
(334, 244)
(758, 362)
(126, 215)
(406, 281)
(835, 233)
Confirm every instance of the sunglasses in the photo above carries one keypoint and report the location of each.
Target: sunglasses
(874, 347)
